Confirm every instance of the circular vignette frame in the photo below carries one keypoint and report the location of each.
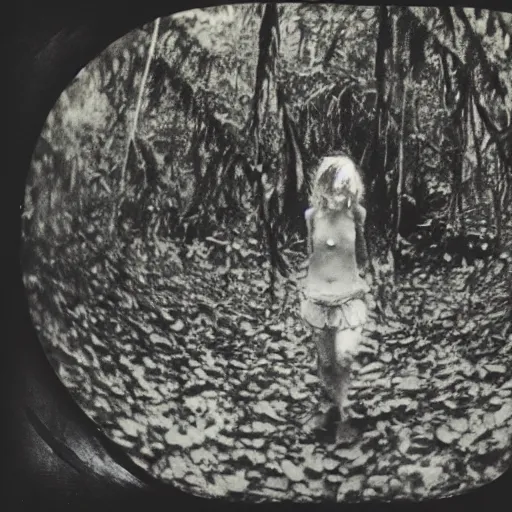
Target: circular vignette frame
(57, 456)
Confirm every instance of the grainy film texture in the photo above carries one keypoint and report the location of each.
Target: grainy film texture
(165, 246)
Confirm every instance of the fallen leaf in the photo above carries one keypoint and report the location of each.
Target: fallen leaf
(297, 394)
(430, 475)
(446, 435)
(349, 453)
(253, 456)
(410, 384)
(496, 400)
(314, 464)
(266, 409)
(370, 368)
(503, 414)
(352, 484)
(236, 482)
(196, 480)
(278, 483)
(386, 357)
(178, 326)
(496, 368)
(201, 374)
(292, 471)
(178, 466)
(201, 455)
(238, 364)
(263, 428)
(130, 427)
(378, 481)
(157, 339)
(174, 437)
(460, 425)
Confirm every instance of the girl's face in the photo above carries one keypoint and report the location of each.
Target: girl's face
(336, 201)
(337, 184)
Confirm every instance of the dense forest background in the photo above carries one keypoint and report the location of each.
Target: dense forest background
(241, 102)
(167, 194)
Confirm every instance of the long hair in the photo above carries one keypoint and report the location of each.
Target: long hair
(337, 184)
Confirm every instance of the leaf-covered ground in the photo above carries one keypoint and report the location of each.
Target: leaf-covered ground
(193, 370)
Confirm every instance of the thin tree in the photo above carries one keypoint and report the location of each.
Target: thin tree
(133, 131)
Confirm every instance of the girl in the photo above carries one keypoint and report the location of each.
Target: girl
(333, 304)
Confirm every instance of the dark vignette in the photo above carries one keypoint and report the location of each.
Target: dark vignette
(47, 44)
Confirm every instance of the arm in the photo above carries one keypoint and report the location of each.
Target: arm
(361, 249)
(308, 214)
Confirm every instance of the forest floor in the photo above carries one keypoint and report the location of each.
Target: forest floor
(202, 378)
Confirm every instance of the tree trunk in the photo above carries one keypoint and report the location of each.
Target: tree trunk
(378, 200)
(378, 227)
(131, 135)
(400, 177)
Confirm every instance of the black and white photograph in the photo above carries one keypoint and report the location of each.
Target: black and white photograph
(267, 248)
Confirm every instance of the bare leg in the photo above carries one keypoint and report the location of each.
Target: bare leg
(326, 413)
(342, 388)
(326, 361)
(345, 345)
